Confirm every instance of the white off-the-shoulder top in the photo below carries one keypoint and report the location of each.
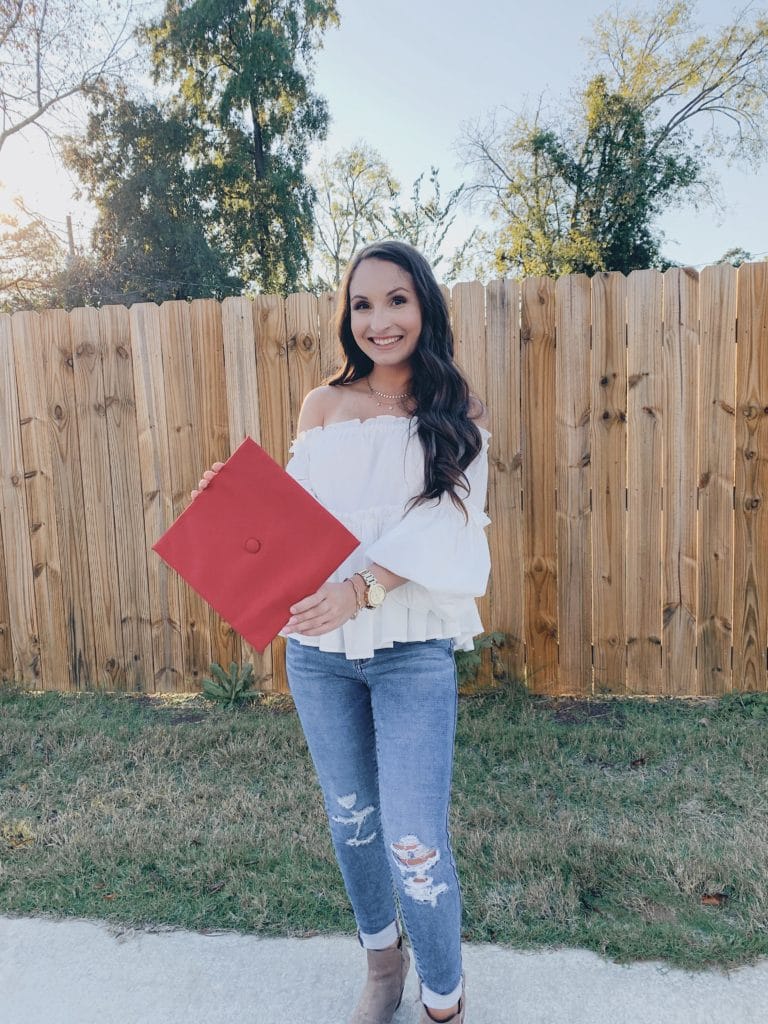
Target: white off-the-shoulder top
(365, 472)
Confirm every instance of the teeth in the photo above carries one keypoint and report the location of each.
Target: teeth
(385, 344)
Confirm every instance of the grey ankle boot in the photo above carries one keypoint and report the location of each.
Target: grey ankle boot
(458, 1018)
(383, 990)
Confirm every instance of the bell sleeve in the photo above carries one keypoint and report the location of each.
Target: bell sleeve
(298, 464)
(445, 558)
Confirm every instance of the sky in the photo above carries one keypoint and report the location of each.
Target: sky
(405, 75)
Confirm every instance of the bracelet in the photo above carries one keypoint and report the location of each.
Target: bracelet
(358, 599)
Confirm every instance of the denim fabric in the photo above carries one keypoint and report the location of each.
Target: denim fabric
(381, 734)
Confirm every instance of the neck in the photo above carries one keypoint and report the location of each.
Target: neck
(391, 385)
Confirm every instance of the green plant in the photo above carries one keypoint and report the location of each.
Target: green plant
(468, 662)
(230, 689)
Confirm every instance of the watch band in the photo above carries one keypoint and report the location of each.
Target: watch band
(371, 583)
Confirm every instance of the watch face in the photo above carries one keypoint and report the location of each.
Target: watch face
(376, 593)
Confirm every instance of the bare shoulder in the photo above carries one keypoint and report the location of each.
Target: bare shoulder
(478, 411)
(313, 408)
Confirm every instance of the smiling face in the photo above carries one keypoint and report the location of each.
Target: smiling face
(385, 315)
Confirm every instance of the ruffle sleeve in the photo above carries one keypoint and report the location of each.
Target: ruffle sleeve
(298, 464)
(445, 558)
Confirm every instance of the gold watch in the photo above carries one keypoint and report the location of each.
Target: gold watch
(375, 592)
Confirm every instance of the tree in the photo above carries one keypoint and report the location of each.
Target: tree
(360, 201)
(52, 51)
(582, 192)
(242, 69)
(354, 190)
(157, 235)
(31, 252)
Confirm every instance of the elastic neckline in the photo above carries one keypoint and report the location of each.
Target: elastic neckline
(370, 419)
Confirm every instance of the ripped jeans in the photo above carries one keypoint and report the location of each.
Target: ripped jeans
(381, 733)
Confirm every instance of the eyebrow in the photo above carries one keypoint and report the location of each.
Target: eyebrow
(400, 288)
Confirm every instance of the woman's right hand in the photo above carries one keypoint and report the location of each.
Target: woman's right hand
(206, 478)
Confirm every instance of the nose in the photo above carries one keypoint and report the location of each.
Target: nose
(379, 320)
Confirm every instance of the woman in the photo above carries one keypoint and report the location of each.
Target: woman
(370, 655)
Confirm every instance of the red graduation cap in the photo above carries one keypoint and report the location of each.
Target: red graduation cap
(254, 542)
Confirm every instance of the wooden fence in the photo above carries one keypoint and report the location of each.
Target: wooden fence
(629, 472)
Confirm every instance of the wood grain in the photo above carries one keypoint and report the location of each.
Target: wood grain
(505, 472)
(20, 647)
(680, 419)
(609, 481)
(572, 482)
(157, 496)
(750, 606)
(56, 367)
(538, 385)
(715, 482)
(645, 405)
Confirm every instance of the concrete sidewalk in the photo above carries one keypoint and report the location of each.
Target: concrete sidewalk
(83, 972)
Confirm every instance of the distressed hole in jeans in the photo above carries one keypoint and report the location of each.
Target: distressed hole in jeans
(356, 819)
(415, 860)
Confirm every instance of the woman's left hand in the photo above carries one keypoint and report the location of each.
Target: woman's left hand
(324, 610)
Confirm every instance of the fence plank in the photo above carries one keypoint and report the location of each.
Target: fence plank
(538, 402)
(331, 353)
(238, 326)
(186, 458)
(20, 649)
(156, 486)
(207, 343)
(7, 668)
(99, 517)
(302, 330)
(609, 480)
(468, 303)
(680, 419)
(125, 477)
(505, 487)
(29, 352)
(92, 660)
(572, 480)
(750, 612)
(716, 478)
(274, 399)
(645, 401)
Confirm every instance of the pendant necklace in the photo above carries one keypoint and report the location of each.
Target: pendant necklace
(383, 394)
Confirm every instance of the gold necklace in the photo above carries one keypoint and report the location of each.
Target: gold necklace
(383, 394)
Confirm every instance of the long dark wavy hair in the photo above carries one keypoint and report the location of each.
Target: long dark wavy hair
(441, 393)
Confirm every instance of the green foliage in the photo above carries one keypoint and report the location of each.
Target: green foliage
(468, 662)
(241, 73)
(359, 201)
(30, 253)
(156, 236)
(232, 688)
(581, 191)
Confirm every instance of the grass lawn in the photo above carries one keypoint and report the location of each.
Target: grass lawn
(635, 828)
